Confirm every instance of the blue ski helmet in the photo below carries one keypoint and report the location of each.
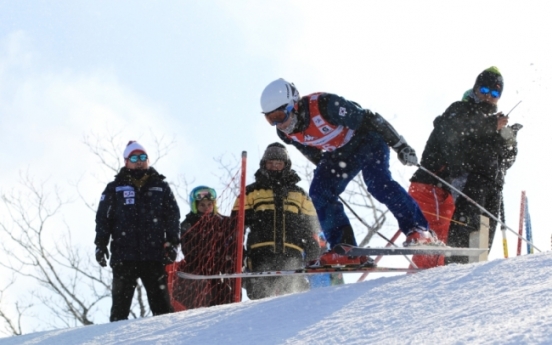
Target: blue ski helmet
(202, 192)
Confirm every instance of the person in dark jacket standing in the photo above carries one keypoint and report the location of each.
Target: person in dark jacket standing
(343, 139)
(487, 147)
(139, 213)
(282, 223)
(468, 139)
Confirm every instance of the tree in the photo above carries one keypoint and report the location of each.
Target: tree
(39, 249)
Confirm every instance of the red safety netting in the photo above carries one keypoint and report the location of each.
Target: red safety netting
(210, 246)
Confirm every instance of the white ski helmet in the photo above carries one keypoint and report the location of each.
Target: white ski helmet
(277, 94)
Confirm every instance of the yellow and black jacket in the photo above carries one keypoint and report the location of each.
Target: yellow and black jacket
(282, 221)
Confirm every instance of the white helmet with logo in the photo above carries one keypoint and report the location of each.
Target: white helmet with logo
(277, 94)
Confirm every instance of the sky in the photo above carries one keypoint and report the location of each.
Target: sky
(504, 301)
(191, 73)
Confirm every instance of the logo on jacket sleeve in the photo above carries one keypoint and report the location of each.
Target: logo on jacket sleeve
(325, 129)
(342, 111)
(129, 201)
(128, 194)
(318, 120)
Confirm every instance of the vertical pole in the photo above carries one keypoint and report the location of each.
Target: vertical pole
(521, 217)
(504, 243)
(480, 239)
(503, 228)
(528, 229)
(241, 226)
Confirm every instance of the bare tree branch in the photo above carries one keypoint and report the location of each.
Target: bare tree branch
(12, 326)
(32, 253)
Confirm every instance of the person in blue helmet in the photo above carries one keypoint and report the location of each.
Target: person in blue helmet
(344, 139)
(209, 247)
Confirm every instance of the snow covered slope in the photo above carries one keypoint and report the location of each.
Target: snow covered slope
(498, 302)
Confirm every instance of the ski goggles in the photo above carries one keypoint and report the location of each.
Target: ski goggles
(205, 193)
(135, 158)
(280, 115)
(486, 90)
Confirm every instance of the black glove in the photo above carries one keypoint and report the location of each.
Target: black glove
(101, 255)
(516, 127)
(406, 154)
(171, 251)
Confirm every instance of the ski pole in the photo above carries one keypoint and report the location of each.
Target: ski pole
(475, 203)
(513, 108)
(378, 258)
(389, 242)
(370, 229)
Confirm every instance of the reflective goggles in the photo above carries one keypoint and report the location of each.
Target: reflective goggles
(206, 193)
(486, 90)
(141, 157)
(280, 115)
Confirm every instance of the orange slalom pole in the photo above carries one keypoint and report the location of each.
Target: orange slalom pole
(241, 228)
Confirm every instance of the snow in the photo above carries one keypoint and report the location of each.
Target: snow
(504, 301)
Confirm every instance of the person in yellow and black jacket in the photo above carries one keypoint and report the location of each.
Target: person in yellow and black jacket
(282, 221)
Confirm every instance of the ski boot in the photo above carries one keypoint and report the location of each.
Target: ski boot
(422, 237)
(332, 259)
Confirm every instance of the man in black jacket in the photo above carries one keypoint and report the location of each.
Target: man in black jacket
(139, 213)
(470, 146)
(282, 223)
(486, 147)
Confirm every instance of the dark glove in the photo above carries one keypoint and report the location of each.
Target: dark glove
(406, 154)
(101, 255)
(171, 251)
(516, 127)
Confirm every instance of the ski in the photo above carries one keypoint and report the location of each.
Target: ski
(302, 271)
(344, 249)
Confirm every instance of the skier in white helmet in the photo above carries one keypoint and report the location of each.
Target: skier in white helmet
(343, 139)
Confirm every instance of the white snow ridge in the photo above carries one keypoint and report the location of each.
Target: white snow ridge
(506, 301)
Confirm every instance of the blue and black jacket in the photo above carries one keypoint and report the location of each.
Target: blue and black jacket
(340, 111)
(139, 214)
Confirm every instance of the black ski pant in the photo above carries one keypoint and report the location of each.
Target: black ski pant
(125, 279)
(466, 218)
